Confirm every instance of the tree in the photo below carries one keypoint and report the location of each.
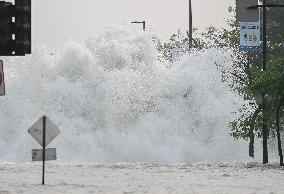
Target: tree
(247, 76)
(271, 82)
(180, 40)
(247, 73)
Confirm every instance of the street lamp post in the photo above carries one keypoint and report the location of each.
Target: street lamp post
(189, 33)
(142, 22)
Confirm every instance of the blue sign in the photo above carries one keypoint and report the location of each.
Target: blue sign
(250, 48)
(249, 36)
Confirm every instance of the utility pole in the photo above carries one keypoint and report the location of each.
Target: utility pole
(189, 33)
(264, 58)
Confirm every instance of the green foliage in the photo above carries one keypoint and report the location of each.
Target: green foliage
(242, 126)
(270, 81)
(250, 80)
(275, 26)
(165, 48)
(247, 76)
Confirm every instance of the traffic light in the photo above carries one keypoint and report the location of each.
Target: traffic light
(15, 28)
(23, 27)
(7, 29)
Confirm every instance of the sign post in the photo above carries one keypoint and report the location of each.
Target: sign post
(43, 131)
(43, 146)
(2, 83)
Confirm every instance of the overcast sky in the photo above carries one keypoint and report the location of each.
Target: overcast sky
(57, 21)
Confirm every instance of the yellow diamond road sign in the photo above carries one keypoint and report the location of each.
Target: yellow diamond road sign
(36, 131)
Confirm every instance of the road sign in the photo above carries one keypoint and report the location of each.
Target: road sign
(244, 14)
(2, 83)
(50, 154)
(36, 131)
(249, 36)
(44, 131)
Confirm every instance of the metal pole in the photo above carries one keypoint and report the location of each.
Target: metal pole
(43, 146)
(2, 77)
(264, 49)
(143, 22)
(190, 26)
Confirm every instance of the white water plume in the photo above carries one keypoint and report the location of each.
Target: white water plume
(115, 102)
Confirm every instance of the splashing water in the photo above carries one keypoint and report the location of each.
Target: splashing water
(115, 102)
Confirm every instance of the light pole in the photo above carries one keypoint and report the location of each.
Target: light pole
(189, 33)
(142, 22)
